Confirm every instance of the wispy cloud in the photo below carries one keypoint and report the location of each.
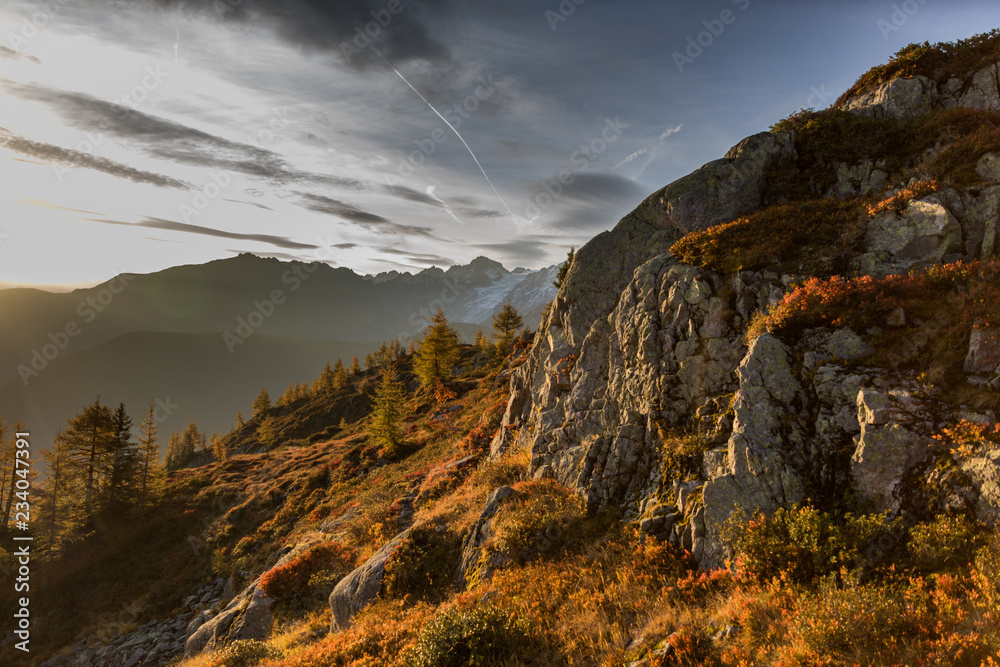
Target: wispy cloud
(174, 226)
(67, 157)
(11, 54)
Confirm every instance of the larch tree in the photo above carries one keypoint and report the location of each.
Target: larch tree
(387, 413)
(506, 324)
(340, 377)
(262, 403)
(149, 454)
(355, 368)
(437, 353)
(90, 437)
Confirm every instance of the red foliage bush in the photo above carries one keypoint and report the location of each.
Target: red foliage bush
(290, 580)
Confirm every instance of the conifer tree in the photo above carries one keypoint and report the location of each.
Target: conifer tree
(90, 437)
(123, 461)
(355, 368)
(262, 403)
(387, 413)
(56, 509)
(505, 326)
(564, 269)
(149, 453)
(267, 434)
(437, 353)
(173, 457)
(340, 377)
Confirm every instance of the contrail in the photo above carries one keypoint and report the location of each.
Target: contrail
(452, 127)
(444, 204)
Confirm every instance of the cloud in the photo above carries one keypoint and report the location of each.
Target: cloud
(330, 206)
(641, 151)
(671, 130)
(518, 252)
(370, 221)
(593, 201)
(418, 257)
(173, 226)
(333, 25)
(169, 140)
(67, 157)
(11, 54)
(410, 194)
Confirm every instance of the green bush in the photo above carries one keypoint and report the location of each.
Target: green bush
(945, 542)
(803, 543)
(245, 653)
(544, 519)
(484, 635)
(424, 565)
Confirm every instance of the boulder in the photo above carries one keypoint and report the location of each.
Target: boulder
(360, 588)
(922, 234)
(888, 447)
(898, 98)
(473, 569)
(248, 616)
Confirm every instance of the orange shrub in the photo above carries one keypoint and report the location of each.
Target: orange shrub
(797, 237)
(289, 582)
(899, 201)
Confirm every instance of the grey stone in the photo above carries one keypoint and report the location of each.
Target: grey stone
(360, 588)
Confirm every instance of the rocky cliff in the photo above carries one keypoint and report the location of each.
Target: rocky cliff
(644, 390)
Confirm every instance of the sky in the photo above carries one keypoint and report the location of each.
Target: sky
(387, 135)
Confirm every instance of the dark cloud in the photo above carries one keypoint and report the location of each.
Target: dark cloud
(410, 194)
(523, 251)
(418, 257)
(169, 140)
(333, 25)
(481, 213)
(173, 226)
(250, 203)
(331, 206)
(591, 201)
(67, 157)
(11, 54)
(344, 246)
(370, 221)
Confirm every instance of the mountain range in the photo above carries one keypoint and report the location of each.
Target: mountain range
(201, 340)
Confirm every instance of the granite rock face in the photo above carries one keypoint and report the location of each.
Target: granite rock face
(639, 350)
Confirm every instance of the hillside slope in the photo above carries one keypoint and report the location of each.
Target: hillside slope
(757, 426)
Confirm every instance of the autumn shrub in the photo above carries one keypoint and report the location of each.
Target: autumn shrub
(294, 580)
(956, 162)
(483, 635)
(505, 470)
(986, 571)
(477, 441)
(938, 62)
(969, 291)
(798, 237)
(802, 544)
(898, 202)
(540, 520)
(966, 438)
(244, 653)
(423, 566)
(848, 622)
(945, 542)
